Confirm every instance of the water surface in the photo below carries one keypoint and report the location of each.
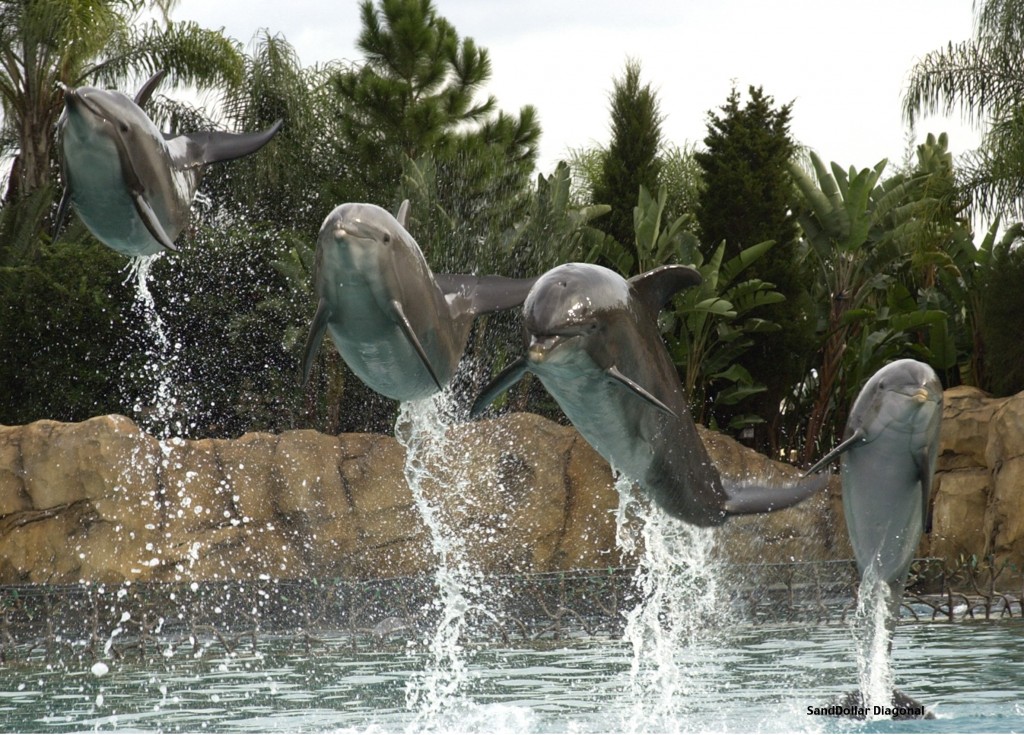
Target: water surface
(747, 679)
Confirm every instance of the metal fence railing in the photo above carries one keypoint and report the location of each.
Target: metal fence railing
(140, 619)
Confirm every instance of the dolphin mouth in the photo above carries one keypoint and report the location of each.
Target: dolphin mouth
(922, 395)
(542, 345)
(73, 98)
(356, 230)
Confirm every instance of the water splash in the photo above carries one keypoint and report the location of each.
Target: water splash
(422, 428)
(872, 634)
(159, 410)
(678, 591)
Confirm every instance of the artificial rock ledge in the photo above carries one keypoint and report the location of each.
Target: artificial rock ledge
(101, 501)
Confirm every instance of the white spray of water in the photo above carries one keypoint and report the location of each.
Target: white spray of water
(676, 581)
(161, 356)
(872, 638)
(422, 429)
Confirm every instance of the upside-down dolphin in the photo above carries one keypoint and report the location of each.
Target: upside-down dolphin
(131, 184)
(593, 341)
(888, 456)
(399, 327)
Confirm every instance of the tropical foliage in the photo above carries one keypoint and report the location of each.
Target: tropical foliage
(983, 79)
(840, 269)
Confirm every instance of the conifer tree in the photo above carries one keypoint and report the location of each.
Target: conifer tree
(745, 200)
(631, 160)
(417, 94)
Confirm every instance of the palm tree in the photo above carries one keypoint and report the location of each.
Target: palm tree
(983, 78)
(294, 182)
(48, 43)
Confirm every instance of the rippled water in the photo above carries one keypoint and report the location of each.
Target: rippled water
(752, 679)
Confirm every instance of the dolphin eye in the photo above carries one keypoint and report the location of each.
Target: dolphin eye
(387, 237)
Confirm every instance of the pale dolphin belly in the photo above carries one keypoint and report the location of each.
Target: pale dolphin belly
(638, 441)
(882, 500)
(373, 345)
(603, 414)
(103, 202)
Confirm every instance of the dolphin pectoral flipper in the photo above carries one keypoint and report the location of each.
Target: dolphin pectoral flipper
(847, 443)
(211, 147)
(925, 473)
(62, 211)
(615, 374)
(486, 293)
(316, 335)
(410, 334)
(745, 499)
(149, 218)
(501, 383)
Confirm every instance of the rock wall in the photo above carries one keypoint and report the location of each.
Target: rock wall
(103, 501)
(978, 496)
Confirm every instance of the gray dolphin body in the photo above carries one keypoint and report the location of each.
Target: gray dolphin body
(888, 455)
(593, 341)
(132, 185)
(399, 327)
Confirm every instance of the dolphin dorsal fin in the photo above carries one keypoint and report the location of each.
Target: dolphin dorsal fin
(403, 214)
(147, 89)
(656, 287)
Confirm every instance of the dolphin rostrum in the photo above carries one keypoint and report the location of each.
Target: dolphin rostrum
(592, 339)
(888, 456)
(399, 327)
(131, 184)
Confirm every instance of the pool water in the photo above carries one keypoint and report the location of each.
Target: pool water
(747, 678)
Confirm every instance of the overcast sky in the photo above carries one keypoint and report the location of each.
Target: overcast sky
(844, 65)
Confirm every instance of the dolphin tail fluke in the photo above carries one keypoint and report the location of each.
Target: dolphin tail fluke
(486, 293)
(501, 383)
(904, 707)
(316, 336)
(765, 498)
(218, 146)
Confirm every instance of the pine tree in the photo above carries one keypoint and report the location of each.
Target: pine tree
(631, 160)
(416, 94)
(745, 200)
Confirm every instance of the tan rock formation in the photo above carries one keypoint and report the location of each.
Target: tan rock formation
(101, 500)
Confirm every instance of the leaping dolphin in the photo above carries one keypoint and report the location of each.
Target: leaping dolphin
(401, 328)
(888, 456)
(131, 184)
(593, 341)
